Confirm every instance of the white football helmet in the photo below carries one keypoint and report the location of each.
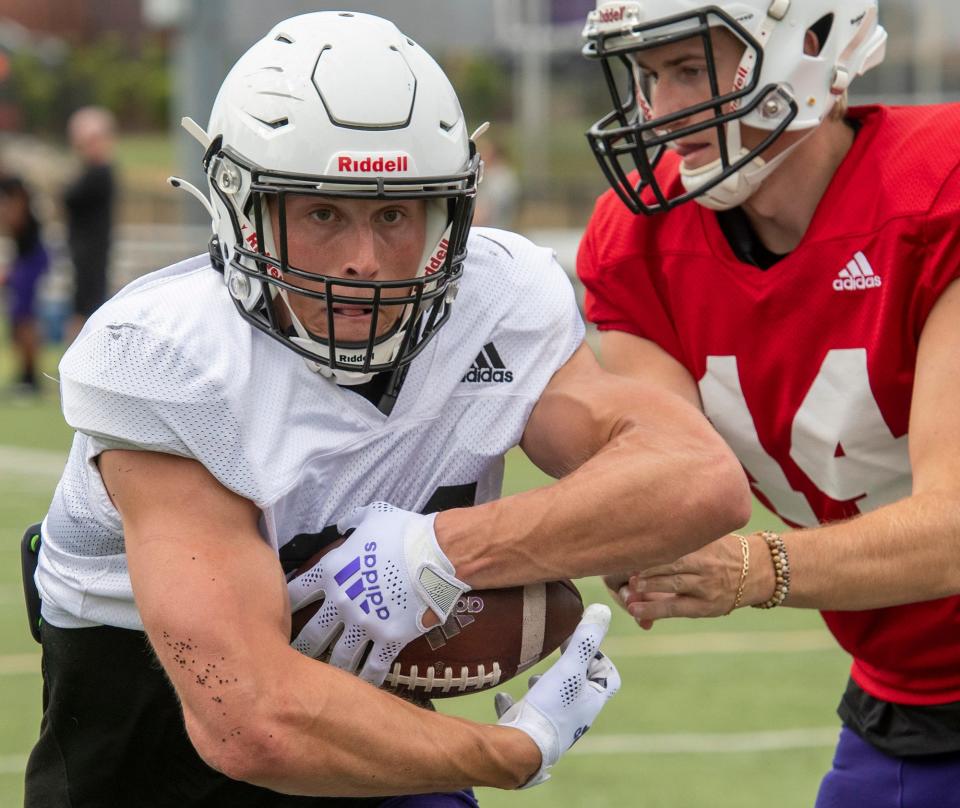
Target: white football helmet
(338, 104)
(778, 87)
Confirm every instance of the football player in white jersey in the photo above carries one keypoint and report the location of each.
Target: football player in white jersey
(253, 403)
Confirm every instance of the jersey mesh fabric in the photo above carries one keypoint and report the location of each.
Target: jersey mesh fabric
(807, 375)
(168, 365)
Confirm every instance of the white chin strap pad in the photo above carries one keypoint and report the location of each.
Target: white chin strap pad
(383, 351)
(739, 186)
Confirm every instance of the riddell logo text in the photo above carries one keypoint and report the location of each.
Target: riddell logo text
(251, 238)
(372, 165)
(741, 80)
(612, 14)
(436, 260)
(254, 244)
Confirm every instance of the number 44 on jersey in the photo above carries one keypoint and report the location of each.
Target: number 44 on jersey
(838, 439)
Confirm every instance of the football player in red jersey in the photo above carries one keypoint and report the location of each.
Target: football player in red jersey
(806, 301)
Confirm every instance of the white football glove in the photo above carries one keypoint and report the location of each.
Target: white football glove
(562, 703)
(377, 587)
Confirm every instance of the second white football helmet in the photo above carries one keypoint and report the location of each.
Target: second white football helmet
(779, 86)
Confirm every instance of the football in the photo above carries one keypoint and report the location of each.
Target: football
(492, 636)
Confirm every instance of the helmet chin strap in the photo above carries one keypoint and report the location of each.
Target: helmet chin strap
(739, 186)
(383, 351)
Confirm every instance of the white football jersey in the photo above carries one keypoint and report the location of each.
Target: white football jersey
(168, 365)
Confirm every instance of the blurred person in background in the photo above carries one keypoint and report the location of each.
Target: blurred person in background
(498, 195)
(89, 202)
(21, 278)
(807, 302)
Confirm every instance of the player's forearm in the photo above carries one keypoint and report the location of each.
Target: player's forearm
(902, 553)
(637, 502)
(334, 735)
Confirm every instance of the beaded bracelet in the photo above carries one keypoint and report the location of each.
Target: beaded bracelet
(781, 569)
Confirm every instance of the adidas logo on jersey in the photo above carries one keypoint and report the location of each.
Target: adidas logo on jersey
(488, 367)
(858, 274)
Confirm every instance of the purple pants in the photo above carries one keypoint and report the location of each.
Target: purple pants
(457, 799)
(863, 777)
(22, 283)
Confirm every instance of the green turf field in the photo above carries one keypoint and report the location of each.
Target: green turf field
(737, 712)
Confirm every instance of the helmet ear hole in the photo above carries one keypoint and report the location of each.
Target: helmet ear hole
(820, 31)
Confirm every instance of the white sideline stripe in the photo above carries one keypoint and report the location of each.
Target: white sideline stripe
(13, 764)
(672, 744)
(643, 645)
(15, 664)
(11, 594)
(696, 743)
(35, 462)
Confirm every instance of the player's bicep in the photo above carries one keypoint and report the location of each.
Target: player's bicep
(934, 418)
(562, 432)
(638, 358)
(584, 408)
(209, 590)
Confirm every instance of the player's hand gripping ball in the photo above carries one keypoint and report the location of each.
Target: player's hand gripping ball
(374, 590)
(488, 637)
(562, 704)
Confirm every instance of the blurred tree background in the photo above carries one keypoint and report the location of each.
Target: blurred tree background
(134, 84)
(514, 63)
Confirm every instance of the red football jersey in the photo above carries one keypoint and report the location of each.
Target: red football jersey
(807, 368)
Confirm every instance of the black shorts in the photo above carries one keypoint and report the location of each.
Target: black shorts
(112, 734)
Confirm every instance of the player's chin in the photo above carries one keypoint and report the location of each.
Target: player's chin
(354, 327)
